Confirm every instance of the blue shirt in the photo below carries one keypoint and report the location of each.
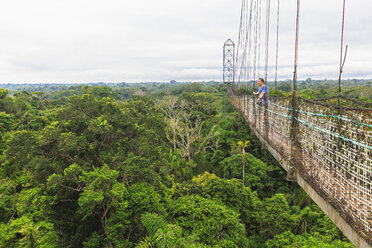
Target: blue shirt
(265, 98)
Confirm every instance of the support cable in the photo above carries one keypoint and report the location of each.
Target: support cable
(277, 45)
(237, 60)
(244, 59)
(255, 45)
(259, 38)
(342, 56)
(268, 3)
(291, 171)
(296, 47)
(249, 28)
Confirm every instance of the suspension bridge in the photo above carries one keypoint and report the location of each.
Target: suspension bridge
(325, 145)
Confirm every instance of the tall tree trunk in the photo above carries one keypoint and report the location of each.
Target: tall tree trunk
(243, 165)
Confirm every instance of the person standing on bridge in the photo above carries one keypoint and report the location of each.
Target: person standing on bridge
(263, 93)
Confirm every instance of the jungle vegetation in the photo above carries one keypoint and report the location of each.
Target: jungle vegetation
(157, 165)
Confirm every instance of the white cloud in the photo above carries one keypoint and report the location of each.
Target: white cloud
(144, 40)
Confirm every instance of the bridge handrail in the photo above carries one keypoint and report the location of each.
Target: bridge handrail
(315, 127)
(330, 148)
(316, 102)
(366, 104)
(323, 115)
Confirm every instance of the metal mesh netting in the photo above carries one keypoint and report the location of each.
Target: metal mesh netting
(337, 156)
(330, 146)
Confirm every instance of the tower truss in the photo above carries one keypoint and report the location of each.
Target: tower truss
(228, 61)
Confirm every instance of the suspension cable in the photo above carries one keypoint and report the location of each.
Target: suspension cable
(296, 47)
(259, 39)
(243, 72)
(342, 60)
(255, 44)
(267, 38)
(249, 67)
(237, 59)
(277, 44)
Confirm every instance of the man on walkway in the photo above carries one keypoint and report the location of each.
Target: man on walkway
(263, 93)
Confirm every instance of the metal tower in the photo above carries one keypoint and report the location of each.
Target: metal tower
(228, 61)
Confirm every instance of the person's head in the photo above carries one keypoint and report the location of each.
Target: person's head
(261, 82)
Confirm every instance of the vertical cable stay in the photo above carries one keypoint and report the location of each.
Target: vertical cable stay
(277, 45)
(291, 176)
(267, 38)
(240, 46)
(255, 45)
(249, 74)
(244, 59)
(245, 41)
(342, 55)
(296, 48)
(237, 60)
(246, 46)
(259, 39)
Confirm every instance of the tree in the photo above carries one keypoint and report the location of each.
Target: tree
(160, 234)
(98, 203)
(186, 131)
(105, 197)
(207, 221)
(92, 171)
(290, 240)
(276, 216)
(142, 198)
(285, 87)
(231, 194)
(172, 107)
(259, 178)
(24, 232)
(3, 93)
(243, 146)
(189, 137)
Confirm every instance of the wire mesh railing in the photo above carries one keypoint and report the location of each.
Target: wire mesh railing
(329, 145)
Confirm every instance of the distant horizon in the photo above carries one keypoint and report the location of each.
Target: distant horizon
(181, 81)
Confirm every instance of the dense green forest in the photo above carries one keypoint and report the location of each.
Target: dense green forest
(157, 165)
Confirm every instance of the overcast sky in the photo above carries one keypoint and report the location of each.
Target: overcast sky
(72, 41)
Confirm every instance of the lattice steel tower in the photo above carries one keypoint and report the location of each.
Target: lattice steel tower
(228, 61)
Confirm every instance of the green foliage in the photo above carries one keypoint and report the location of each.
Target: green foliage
(104, 197)
(95, 166)
(257, 173)
(208, 221)
(8, 199)
(142, 198)
(23, 232)
(6, 122)
(204, 178)
(276, 216)
(237, 197)
(3, 93)
(290, 240)
(160, 234)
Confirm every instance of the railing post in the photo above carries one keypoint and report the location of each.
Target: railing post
(291, 176)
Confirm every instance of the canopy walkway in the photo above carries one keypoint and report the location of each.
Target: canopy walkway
(325, 145)
(326, 148)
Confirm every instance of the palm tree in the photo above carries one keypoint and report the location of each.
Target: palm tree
(243, 146)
